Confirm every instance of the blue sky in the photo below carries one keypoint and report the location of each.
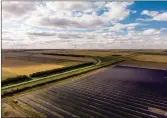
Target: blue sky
(116, 25)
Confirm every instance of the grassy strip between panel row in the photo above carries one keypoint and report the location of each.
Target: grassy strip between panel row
(25, 85)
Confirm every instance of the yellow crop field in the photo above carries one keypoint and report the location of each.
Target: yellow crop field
(26, 70)
(6, 74)
(152, 58)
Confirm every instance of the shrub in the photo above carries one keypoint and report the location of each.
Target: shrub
(65, 55)
(116, 55)
(17, 79)
(59, 70)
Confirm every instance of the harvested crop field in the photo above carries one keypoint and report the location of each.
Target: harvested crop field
(118, 92)
(26, 70)
(152, 58)
(144, 64)
(12, 59)
(18, 62)
(101, 53)
(6, 74)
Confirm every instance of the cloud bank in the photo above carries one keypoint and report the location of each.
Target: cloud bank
(94, 25)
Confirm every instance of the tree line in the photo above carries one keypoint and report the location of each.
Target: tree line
(59, 70)
(14, 80)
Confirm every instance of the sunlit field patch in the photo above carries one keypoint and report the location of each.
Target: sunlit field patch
(26, 70)
(152, 58)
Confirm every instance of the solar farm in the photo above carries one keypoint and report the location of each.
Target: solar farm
(117, 91)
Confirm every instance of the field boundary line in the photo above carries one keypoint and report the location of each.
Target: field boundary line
(51, 75)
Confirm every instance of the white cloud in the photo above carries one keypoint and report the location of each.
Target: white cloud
(66, 6)
(51, 39)
(151, 32)
(134, 12)
(60, 16)
(59, 21)
(156, 15)
(118, 27)
(149, 13)
(142, 19)
(114, 13)
(16, 9)
(163, 29)
(63, 16)
(161, 17)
